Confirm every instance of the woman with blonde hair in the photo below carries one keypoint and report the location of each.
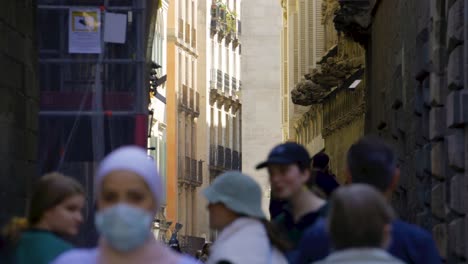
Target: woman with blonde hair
(55, 211)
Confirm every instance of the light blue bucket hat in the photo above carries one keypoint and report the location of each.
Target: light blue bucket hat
(238, 192)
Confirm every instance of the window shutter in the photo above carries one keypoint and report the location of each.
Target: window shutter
(303, 37)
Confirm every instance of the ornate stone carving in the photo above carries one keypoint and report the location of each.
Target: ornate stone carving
(284, 5)
(307, 92)
(316, 85)
(353, 18)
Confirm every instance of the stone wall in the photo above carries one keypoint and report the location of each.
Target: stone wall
(18, 105)
(417, 98)
(261, 80)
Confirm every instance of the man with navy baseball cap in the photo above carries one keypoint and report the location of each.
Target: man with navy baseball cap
(288, 166)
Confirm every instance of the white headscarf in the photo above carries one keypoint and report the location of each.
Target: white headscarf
(136, 160)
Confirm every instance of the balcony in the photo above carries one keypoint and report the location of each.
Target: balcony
(184, 95)
(191, 99)
(226, 82)
(187, 33)
(213, 79)
(213, 155)
(227, 159)
(234, 84)
(220, 156)
(181, 29)
(190, 171)
(219, 80)
(199, 179)
(193, 171)
(197, 102)
(229, 37)
(181, 166)
(214, 26)
(235, 160)
(236, 36)
(194, 38)
(187, 169)
(214, 19)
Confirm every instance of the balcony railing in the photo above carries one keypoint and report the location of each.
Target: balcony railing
(200, 173)
(197, 102)
(187, 169)
(194, 38)
(213, 155)
(187, 33)
(235, 160)
(234, 84)
(214, 26)
(213, 79)
(219, 80)
(181, 167)
(220, 156)
(191, 99)
(181, 29)
(227, 158)
(226, 82)
(193, 171)
(184, 95)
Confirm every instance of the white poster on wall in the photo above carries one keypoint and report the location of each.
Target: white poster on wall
(115, 28)
(84, 30)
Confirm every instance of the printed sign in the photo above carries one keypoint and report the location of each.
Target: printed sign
(84, 30)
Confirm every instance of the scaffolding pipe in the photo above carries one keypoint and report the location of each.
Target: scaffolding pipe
(86, 113)
(93, 61)
(66, 7)
(98, 120)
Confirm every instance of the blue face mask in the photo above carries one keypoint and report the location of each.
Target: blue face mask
(124, 227)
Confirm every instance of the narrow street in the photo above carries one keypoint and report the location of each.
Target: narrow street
(207, 87)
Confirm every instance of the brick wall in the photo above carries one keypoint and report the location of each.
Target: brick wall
(18, 105)
(418, 98)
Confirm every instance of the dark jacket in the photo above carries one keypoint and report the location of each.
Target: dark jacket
(295, 230)
(410, 244)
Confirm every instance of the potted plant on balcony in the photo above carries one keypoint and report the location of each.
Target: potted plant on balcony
(214, 26)
(235, 34)
(222, 25)
(231, 26)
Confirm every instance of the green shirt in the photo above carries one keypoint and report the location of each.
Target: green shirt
(39, 247)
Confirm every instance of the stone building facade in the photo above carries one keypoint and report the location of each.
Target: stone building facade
(332, 90)
(19, 105)
(302, 47)
(184, 163)
(417, 98)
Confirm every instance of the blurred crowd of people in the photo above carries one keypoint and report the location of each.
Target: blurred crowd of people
(312, 218)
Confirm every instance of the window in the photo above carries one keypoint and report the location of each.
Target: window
(187, 71)
(194, 76)
(188, 137)
(194, 139)
(228, 132)
(212, 126)
(235, 134)
(220, 127)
